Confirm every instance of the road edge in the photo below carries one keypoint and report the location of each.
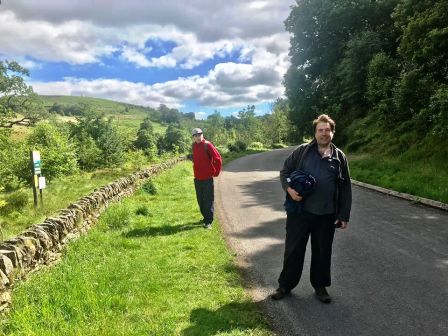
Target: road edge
(409, 197)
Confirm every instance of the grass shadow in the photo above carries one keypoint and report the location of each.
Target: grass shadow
(235, 316)
(165, 230)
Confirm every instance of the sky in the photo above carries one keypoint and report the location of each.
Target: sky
(193, 55)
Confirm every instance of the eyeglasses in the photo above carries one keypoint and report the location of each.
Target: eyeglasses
(197, 134)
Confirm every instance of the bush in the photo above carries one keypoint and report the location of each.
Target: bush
(237, 146)
(116, 217)
(14, 201)
(57, 153)
(256, 145)
(278, 145)
(142, 210)
(150, 187)
(135, 159)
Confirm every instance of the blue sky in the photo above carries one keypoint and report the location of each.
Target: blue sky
(199, 57)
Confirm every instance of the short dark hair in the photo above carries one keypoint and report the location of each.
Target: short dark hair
(324, 118)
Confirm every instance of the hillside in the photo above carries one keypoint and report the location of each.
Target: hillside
(126, 116)
(102, 105)
(397, 158)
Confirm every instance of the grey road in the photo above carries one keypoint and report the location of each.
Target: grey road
(390, 267)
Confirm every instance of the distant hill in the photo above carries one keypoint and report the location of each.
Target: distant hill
(109, 107)
(125, 115)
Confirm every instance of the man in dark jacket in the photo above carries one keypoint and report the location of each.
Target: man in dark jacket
(327, 207)
(206, 165)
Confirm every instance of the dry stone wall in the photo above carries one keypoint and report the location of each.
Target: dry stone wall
(42, 244)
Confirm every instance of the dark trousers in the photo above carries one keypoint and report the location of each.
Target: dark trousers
(298, 228)
(205, 195)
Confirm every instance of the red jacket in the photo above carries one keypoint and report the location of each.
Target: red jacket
(206, 160)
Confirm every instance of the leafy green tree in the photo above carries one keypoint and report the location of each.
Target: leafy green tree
(248, 126)
(276, 125)
(383, 72)
(146, 139)
(105, 135)
(215, 129)
(168, 115)
(19, 105)
(14, 158)
(423, 53)
(332, 43)
(87, 152)
(176, 140)
(58, 154)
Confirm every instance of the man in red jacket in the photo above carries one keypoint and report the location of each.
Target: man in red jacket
(206, 165)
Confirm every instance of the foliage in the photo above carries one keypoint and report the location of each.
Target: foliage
(118, 216)
(237, 146)
(14, 201)
(14, 158)
(146, 139)
(176, 140)
(100, 136)
(2, 200)
(150, 187)
(278, 145)
(142, 210)
(135, 160)
(58, 155)
(19, 105)
(353, 58)
(277, 128)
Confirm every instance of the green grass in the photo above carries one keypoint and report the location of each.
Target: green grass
(58, 195)
(161, 274)
(415, 177)
(101, 105)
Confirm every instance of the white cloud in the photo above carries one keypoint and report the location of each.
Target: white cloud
(200, 115)
(227, 85)
(86, 32)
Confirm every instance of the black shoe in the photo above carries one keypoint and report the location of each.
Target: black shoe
(322, 294)
(279, 294)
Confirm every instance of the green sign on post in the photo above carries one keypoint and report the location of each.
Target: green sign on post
(36, 162)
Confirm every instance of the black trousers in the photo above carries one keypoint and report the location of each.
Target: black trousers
(298, 229)
(205, 194)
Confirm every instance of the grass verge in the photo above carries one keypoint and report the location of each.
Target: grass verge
(147, 268)
(410, 172)
(58, 195)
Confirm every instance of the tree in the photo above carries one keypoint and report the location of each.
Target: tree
(105, 135)
(332, 43)
(19, 105)
(170, 116)
(175, 140)
(146, 139)
(57, 153)
(277, 123)
(215, 130)
(248, 126)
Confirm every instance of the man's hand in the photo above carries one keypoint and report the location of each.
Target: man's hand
(294, 194)
(342, 224)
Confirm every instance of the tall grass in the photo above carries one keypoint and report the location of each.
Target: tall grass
(403, 173)
(156, 274)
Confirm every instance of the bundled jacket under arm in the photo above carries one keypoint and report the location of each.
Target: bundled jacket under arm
(206, 160)
(343, 197)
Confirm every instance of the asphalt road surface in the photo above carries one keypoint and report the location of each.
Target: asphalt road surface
(390, 266)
